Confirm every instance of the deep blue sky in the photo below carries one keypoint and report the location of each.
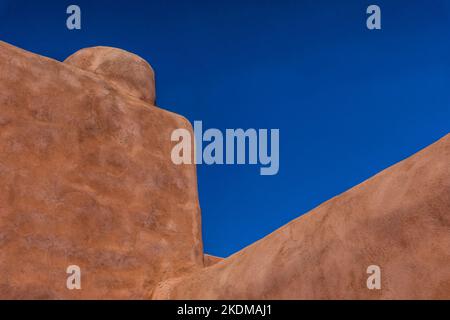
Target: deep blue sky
(349, 102)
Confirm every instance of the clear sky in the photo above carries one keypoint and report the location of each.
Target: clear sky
(349, 102)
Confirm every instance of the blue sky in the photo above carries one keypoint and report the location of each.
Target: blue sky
(349, 102)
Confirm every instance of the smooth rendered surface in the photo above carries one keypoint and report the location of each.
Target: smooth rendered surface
(398, 220)
(87, 180)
